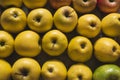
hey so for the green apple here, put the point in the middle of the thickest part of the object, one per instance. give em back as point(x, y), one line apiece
point(13, 20)
point(107, 72)
point(80, 49)
point(89, 25)
point(106, 50)
point(111, 24)
point(65, 19)
point(26, 69)
point(27, 43)
point(6, 44)
point(79, 72)
point(5, 70)
point(40, 20)
point(54, 42)
point(54, 70)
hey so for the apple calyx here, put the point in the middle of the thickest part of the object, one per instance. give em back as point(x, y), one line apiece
point(54, 41)
point(15, 14)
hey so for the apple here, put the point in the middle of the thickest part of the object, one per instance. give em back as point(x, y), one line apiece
point(5, 70)
point(89, 25)
point(27, 43)
point(79, 72)
point(54, 70)
point(106, 50)
point(40, 20)
point(32, 4)
point(6, 44)
point(109, 6)
point(80, 49)
point(59, 3)
point(65, 19)
point(107, 72)
point(13, 20)
point(26, 69)
point(84, 6)
point(111, 25)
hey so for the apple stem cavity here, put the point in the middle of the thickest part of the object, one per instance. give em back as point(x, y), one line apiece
point(38, 19)
point(93, 24)
point(24, 72)
point(111, 0)
point(2, 43)
point(114, 49)
point(83, 45)
point(85, 0)
point(66, 13)
point(15, 14)
point(50, 70)
point(79, 77)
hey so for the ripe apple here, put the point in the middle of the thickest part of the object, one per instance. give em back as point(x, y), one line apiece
point(40, 20)
point(65, 19)
point(27, 43)
point(80, 49)
point(106, 50)
point(89, 25)
point(79, 72)
point(54, 70)
point(13, 20)
point(26, 69)
point(59, 3)
point(107, 72)
point(6, 44)
point(111, 25)
point(32, 4)
point(5, 70)
point(84, 6)
point(109, 6)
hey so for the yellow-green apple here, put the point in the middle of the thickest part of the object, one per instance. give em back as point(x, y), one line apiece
point(79, 72)
point(6, 44)
point(54, 42)
point(27, 43)
point(89, 25)
point(59, 3)
point(65, 19)
point(84, 6)
point(40, 20)
point(107, 72)
point(13, 20)
point(54, 70)
point(80, 49)
point(108, 6)
point(32, 4)
point(111, 24)
point(5, 70)
point(26, 69)
point(106, 50)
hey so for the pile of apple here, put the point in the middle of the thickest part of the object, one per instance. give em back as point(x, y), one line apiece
point(59, 39)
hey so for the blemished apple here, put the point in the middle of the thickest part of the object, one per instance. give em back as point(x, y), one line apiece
point(13, 20)
point(26, 69)
point(84, 6)
point(6, 44)
point(79, 72)
point(54, 70)
point(89, 25)
point(109, 6)
point(65, 19)
point(80, 49)
point(54, 42)
point(59, 3)
point(5, 70)
point(40, 20)
point(106, 50)
point(111, 25)
point(27, 43)
point(107, 72)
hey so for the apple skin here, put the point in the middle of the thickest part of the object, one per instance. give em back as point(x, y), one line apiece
point(65, 19)
point(27, 44)
point(26, 69)
point(6, 44)
point(84, 6)
point(54, 42)
point(107, 72)
point(5, 70)
point(40, 20)
point(108, 6)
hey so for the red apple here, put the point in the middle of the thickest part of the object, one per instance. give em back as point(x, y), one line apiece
point(109, 6)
